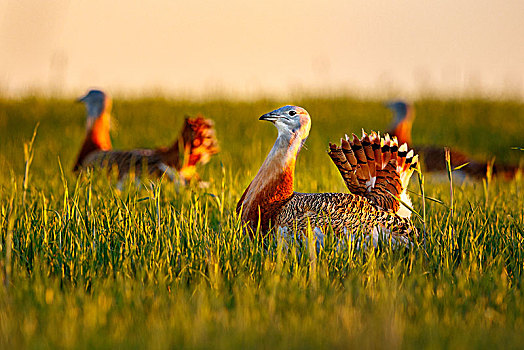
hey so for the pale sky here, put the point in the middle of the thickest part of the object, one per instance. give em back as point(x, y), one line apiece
point(246, 48)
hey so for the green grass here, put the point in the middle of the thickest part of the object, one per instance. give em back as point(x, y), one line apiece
point(84, 266)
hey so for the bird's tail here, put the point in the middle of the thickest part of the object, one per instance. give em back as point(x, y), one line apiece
point(195, 145)
point(375, 168)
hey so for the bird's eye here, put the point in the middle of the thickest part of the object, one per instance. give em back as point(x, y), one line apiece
point(292, 113)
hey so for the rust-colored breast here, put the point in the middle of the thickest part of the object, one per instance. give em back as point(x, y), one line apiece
point(97, 139)
point(267, 202)
point(402, 132)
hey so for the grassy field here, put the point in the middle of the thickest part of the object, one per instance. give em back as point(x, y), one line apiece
point(85, 266)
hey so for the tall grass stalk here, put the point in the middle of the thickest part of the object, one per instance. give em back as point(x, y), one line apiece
point(28, 159)
point(420, 177)
point(451, 207)
point(487, 182)
point(8, 243)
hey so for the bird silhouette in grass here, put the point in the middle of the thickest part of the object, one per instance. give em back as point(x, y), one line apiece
point(432, 157)
point(195, 145)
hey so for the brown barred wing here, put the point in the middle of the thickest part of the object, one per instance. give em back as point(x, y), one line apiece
point(345, 213)
point(126, 162)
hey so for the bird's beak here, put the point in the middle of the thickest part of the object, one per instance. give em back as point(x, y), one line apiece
point(81, 99)
point(270, 117)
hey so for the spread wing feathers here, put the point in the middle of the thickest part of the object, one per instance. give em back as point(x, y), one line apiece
point(341, 157)
point(199, 140)
point(195, 145)
point(374, 167)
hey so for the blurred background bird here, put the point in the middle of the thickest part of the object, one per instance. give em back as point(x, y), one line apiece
point(433, 156)
point(195, 145)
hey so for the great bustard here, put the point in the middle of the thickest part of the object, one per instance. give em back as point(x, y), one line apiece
point(195, 145)
point(376, 172)
point(432, 157)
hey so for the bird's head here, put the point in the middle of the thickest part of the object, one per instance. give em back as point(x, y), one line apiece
point(401, 111)
point(290, 120)
point(97, 102)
